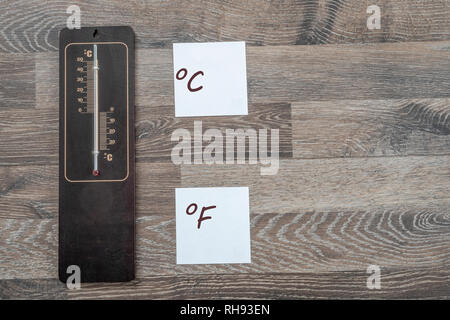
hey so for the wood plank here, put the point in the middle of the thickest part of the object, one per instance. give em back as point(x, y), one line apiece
point(395, 284)
point(315, 241)
point(29, 248)
point(321, 184)
point(332, 72)
point(29, 136)
point(399, 236)
point(17, 86)
point(29, 192)
point(331, 184)
point(33, 26)
point(361, 128)
point(324, 73)
point(154, 128)
point(155, 185)
point(424, 283)
point(32, 289)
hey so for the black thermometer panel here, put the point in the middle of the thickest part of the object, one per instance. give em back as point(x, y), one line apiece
point(96, 111)
point(97, 180)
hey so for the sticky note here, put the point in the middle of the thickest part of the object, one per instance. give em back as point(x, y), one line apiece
point(210, 79)
point(212, 225)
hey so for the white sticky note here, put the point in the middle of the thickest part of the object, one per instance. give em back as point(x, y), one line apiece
point(210, 79)
point(223, 235)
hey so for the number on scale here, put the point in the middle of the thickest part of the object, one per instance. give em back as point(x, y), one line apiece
point(88, 53)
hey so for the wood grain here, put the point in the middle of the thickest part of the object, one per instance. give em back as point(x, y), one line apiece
point(155, 126)
point(31, 191)
point(364, 140)
point(315, 241)
point(321, 184)
point(276, 75)
point(32, 289)
point(32, 26)
point(396, 284)
point(361, 128)
point(17, 87)
point(326, 184)
point(283, 243)
point(332, 72)
point(28, 136)
point(423, 283)
point(155, 188)
point(29, 248)
point(307, 73)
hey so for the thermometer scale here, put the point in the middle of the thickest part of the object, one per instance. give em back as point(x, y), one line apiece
point(97, 180)
point(94, 88)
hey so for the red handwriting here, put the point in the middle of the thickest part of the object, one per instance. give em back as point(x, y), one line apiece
point(182, 73)
point(190, 212)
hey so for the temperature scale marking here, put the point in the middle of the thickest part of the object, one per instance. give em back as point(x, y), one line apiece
point(89, 75)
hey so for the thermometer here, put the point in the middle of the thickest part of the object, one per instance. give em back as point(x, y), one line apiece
point(97, 180)
point(95, 152)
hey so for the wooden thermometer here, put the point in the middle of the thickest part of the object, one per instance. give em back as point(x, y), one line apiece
point(97, 151)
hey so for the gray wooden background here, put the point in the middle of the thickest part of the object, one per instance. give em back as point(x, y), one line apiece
point(364, 119)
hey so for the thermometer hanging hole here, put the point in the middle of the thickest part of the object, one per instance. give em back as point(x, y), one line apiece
point(95, 33)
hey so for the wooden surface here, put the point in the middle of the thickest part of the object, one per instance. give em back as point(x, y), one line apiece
point(364, 120)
